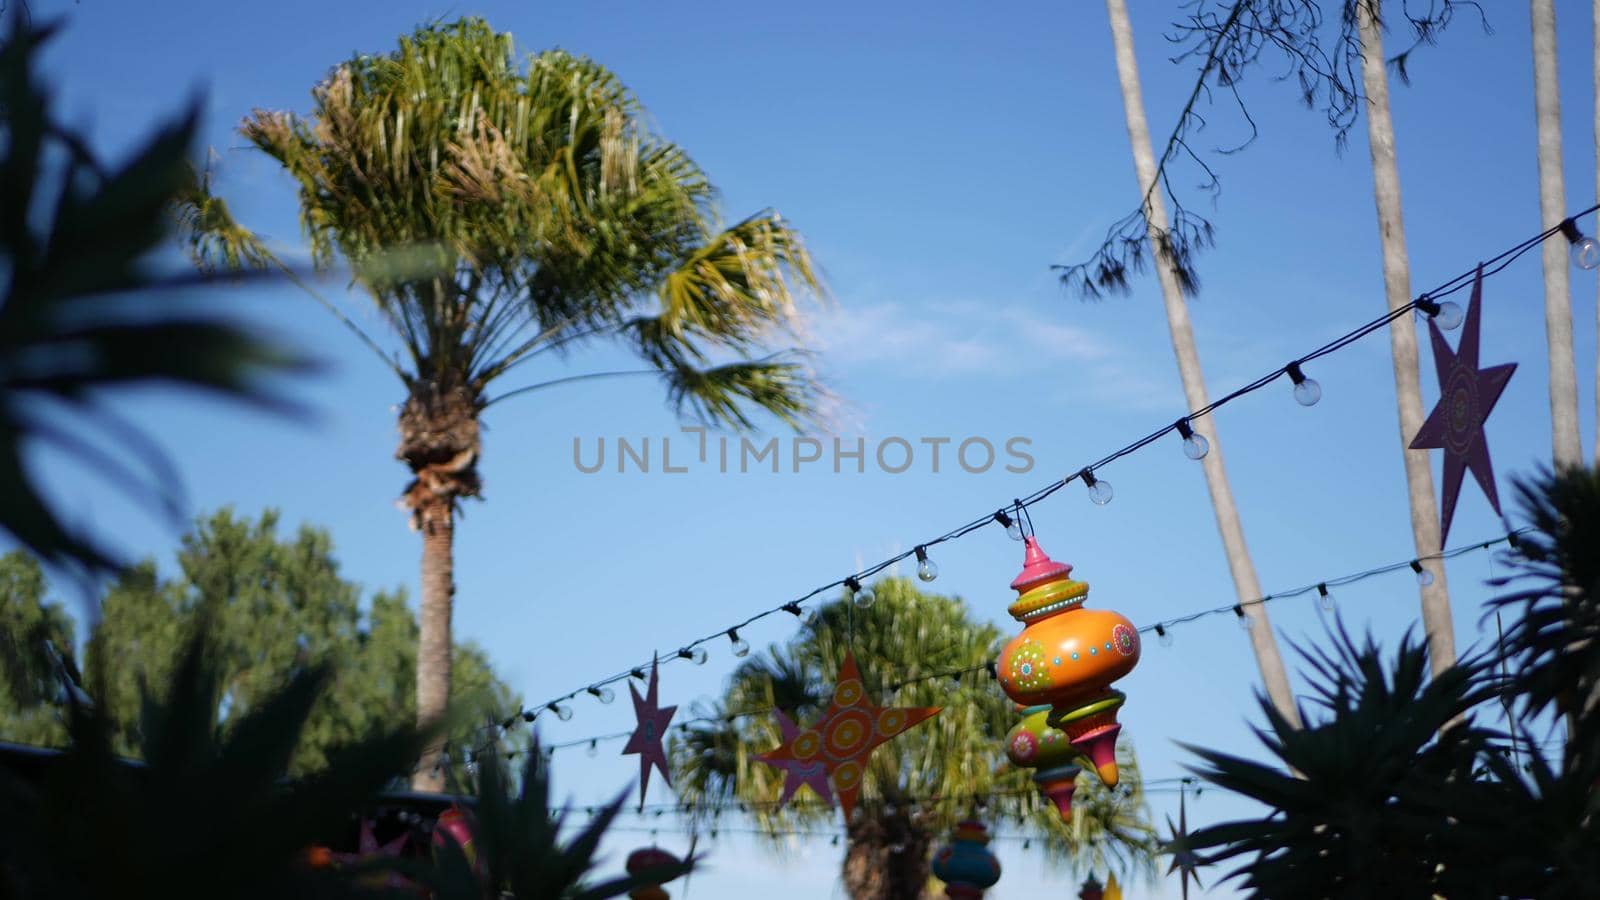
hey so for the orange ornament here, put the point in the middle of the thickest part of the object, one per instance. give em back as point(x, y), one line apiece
point(1067, 657)
point(849, 730)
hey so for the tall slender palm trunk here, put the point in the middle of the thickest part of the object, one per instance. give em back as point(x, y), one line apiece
point(888, 858)
point(1262, 640)
point(440, 442)
point(1436, 617)
point(437, 521)
point(1566, 442)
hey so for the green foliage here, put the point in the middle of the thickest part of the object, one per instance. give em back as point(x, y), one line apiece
point(496, 210)
point(83, 309)
point(209, 815)
point(906, 635)
point(29, 678)
point(518, 842)
point(276, 606)
point(1396, 792)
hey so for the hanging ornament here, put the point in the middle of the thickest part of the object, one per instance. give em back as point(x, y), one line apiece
point(652, 728)
point(849, 730)
point(1067, 657)
point(810, 773)
point(1467, 394)
point(966, 866)
point(645, 860)
point(1113, 890)
point(454, 825)
point(1033, 744)
point(1091, 889)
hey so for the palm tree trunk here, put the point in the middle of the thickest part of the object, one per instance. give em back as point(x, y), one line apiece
point(439, 442)
point(1436, 616)
point(1552, 205)
point(1567, 444)
point(1262, 640)
point(437, 520)
point(887, 858)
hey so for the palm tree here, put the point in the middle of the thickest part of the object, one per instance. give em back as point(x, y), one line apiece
point(1436, 616)
point(1567, 444)
point(84, 309)
point(1169, 271)
point(1401, 789)
point(497, 213)
point(923, 781)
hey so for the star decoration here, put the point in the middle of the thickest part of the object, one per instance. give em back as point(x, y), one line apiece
point(652, 728)
point(1466, 396)
point(797, 772)
point(1184, 860)
point(848, 731)
point(369, 849)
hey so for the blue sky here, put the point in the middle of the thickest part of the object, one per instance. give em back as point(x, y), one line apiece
point(938, 159)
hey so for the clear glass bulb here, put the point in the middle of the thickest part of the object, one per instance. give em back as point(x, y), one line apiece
point(1424, 578)
point(698, 656)
point(1307, 392)
point(1450, 315)
point(741, 647)
point(1100, 493)
point(1586, 253)
point(1014, 530)
point(1246, 621)
point(864, 597)
point(564, 713)
point(594, 749)
point(1325, 599)
point(927, 569)
point(1165, 638)
point(605, 694)
point(1195, 446)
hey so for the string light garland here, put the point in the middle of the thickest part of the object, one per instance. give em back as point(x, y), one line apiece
point(1430, 303)
point(1162, 629)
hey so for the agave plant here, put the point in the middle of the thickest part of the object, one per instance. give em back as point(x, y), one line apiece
point(520, 847)
point(84, 309)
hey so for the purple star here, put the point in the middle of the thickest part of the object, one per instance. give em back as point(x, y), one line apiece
point(797, 773)
point(1466, 396)
point(646, 740)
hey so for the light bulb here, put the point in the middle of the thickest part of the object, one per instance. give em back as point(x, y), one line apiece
point(696, 655)
point(1424, 577)
point(594, 749)
point(741, 647)
point(564, 713)
point(1324, 599)
point(864, 597)
point(1164, 636)
point(1450, 315)
point(1100, 492)
point(1245, 620)
point(927, 569)
point(602, 693)
point(1306, 390)
point(1195, 446)
point(1586, 253)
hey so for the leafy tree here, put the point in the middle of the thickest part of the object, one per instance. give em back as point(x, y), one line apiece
point(497, 212)
point(1399, 791)
point(29, 677)
point(919, 784)
point(275, 606)
point(84, 309)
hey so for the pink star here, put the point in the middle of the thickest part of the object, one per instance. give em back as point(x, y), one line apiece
point(797, 773)
point(368, 849)
point(1466, 396)
point(646, 740)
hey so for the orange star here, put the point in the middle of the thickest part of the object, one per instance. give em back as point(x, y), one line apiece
point(848, 731)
